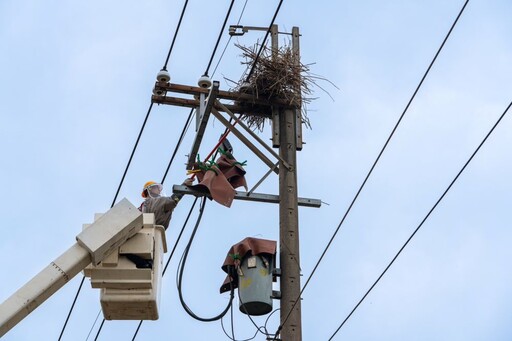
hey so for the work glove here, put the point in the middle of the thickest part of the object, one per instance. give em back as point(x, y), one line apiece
point(188, 182)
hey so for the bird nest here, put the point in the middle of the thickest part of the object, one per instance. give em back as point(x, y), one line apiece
point(277, 77)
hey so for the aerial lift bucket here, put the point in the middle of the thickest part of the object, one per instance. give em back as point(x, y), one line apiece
point(128, 292)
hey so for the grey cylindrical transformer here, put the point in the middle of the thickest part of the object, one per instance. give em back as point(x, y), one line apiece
point(255, 285)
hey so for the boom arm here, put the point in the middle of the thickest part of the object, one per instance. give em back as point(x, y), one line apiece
point(94, 243)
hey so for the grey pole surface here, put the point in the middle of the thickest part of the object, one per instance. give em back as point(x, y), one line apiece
point(289, 228)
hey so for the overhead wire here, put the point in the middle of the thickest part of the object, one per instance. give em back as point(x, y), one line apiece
point(112, 205)
point(424, 219)
point(146, 118)
point(130, 160)
point(170, 256)
point(264, 40)
point(92, 327)
point(227, 130)
point(178, 144)
point(229, 40)
point(232, 338)
point(182, 135)
point(373, 166)
point(220, 36)
point(175, 35)
point(232, 322)
point(181, 268)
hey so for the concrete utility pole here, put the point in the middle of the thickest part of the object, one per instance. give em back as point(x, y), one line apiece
point(289, 218)
point(287, 136)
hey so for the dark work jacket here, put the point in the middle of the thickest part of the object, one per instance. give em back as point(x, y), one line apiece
point(162, 207)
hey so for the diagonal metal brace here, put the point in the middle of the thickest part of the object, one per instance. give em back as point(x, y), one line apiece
point(254, 136)
point(214, 91)
point(244, 139)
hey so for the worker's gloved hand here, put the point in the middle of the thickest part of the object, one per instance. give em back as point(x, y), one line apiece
point(188, 182)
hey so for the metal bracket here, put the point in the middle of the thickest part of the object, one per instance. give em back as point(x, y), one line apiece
point(200, 110)
point(202, 124)
point(276, 294)
point(257, 197)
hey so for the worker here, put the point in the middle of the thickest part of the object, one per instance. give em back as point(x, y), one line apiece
point(162, 206)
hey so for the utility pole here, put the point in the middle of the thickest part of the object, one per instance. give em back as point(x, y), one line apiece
point(289, 218)
point(287, 136)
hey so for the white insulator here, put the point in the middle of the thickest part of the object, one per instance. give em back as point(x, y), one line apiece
point(204, 82)
point(158, 92)
point(163, 76)
point(246, 88)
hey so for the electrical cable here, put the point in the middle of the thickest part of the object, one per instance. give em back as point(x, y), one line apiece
point(170, 256)
point(142, 129)
point(181, 268)
point(220, 36)
point(187, 124)
point(151, 106)
point(112, 205)
point(258, 329)
point(131, 156)
point(99, 330)
point(178, 144)
point(232, 322)
point(229, 40)
point(183, 132)
point(175, 35)
point(233, 338)
point(250, 318)
point(264, 40)
point(94, 323)
point(72, 307)
point(373, 166)
point(425, 218)
point(268, 317)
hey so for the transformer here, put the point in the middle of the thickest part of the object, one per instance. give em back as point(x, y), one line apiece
point(250, 265)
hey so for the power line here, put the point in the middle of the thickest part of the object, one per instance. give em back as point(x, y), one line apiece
point(181, 268)
point(374, 164)
point(178, 144)
point(187, 124)
point(170, 256)
point(220, 36)
point(112, 205)
point(229, 40)
point(182, 135)
point(129, 161)
point(175, 35)
point(145, 121)
point(264, 40)
point(424, 219)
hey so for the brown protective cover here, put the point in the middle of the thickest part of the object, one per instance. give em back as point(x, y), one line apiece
point(222, 179)
point(232, 170)
point(247, 247)
point(214, 182)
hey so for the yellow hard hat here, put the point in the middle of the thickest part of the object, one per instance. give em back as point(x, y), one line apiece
point(146, 186)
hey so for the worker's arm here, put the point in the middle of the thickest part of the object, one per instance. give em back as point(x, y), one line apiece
point(175, 198)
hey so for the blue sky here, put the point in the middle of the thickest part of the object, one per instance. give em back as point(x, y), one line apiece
point(76, 85)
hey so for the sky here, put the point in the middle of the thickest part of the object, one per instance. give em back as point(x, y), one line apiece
point(77, 79)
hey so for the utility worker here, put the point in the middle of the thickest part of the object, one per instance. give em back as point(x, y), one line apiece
point(162, 206)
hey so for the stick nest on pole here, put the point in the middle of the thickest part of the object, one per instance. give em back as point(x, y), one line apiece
point(274, 75)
